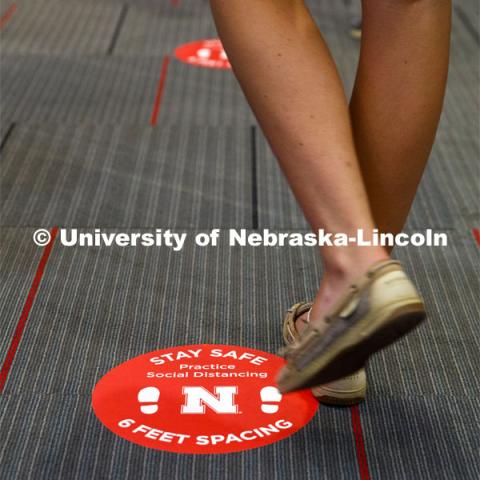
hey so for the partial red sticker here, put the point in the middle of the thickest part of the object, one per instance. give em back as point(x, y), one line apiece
point(204, 53)
point(201, 399)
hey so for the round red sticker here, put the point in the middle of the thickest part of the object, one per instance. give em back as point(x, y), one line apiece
point(204, 53)
point(201, 399)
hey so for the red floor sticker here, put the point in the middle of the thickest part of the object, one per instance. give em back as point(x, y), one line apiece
point(200, 399)
point(204, 53)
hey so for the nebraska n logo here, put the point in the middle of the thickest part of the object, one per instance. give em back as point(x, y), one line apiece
point(197, 397)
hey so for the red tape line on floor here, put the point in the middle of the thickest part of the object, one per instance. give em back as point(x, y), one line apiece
point(7, 15)
point(476, 234)
point(17, 335)
point(359, 443)
point(160, 88)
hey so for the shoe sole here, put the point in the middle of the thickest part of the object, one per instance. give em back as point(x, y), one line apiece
point(351, 351)
point(339, 399)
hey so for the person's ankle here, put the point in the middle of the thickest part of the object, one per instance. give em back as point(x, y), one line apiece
point(341, 270)
point(346, 264)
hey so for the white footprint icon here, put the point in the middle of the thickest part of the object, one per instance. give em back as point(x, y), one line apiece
point(271, 397)
point(204, 53)
point(149, 395)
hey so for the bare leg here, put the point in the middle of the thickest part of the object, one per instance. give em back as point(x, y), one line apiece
point(397, 99)
point(293, 87)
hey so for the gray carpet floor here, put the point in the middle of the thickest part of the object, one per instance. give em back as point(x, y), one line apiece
point(78, 88)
